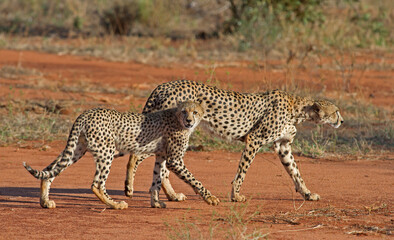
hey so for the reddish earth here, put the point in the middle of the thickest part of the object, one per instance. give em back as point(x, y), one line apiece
point(357, 195)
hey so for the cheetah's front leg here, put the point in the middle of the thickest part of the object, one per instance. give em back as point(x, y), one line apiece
point(160, 179)
point(283, 149)
point(183, 173)
point(167, 188)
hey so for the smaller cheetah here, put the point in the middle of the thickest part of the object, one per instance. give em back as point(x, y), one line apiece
point(103, 131)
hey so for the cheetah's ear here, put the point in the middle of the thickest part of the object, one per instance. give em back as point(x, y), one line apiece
point(316, 107)
point(178, 103)
point(314, 111)
point(204, 106)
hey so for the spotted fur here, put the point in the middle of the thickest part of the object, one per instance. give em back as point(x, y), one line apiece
point(256, 119)
point(103, 131)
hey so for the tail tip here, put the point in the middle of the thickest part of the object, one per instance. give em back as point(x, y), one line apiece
point(26, 166)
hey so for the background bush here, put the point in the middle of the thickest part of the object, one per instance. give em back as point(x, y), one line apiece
point(253, 23)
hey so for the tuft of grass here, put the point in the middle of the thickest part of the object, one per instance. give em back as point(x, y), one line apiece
point(191, 228)
point(239, 219)
point(313, 145)
point(235, 223)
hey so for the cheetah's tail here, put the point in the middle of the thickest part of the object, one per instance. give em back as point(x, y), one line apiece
point(39, 174)
point(64, 159)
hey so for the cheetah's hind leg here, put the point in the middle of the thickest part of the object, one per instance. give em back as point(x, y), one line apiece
point(158, 176)
point(44, 194)
point(79, 151)
point(102, 194)
point(132, 166)
point(103, 166)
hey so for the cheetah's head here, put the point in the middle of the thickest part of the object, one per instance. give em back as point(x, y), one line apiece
point(323, 111)
point(190, 114)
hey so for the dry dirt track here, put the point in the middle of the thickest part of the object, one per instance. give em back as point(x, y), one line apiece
point(357, 196)
point(347, 190)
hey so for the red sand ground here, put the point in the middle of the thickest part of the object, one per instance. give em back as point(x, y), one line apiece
point(357, 195)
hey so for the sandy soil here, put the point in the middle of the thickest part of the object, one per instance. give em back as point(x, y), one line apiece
point(357, 195)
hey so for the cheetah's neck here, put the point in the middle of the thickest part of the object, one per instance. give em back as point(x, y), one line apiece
point(301, 105)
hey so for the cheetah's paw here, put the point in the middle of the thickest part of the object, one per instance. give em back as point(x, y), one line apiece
point(48, 204)
point(238, 198)
point(128, 191)
point(179, 197)
point(312, 197)
point(212, 200)
point(120, 205)
point(158, 204)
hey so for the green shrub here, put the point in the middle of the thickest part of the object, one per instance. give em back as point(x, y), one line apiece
point(249, 11)
point(120, 18)
point(260, 24)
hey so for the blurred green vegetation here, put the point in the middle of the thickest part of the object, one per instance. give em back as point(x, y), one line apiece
point(257, 24)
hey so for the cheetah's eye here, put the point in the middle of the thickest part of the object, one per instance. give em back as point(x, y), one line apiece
point(195, 112)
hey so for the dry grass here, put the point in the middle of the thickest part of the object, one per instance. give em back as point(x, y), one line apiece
point(16, 72)
point(17, 124)
point(242, 221)
point(234, 224)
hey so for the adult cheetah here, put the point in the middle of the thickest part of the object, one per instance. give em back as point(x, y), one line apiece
point(103, 131)
point(256, 119)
